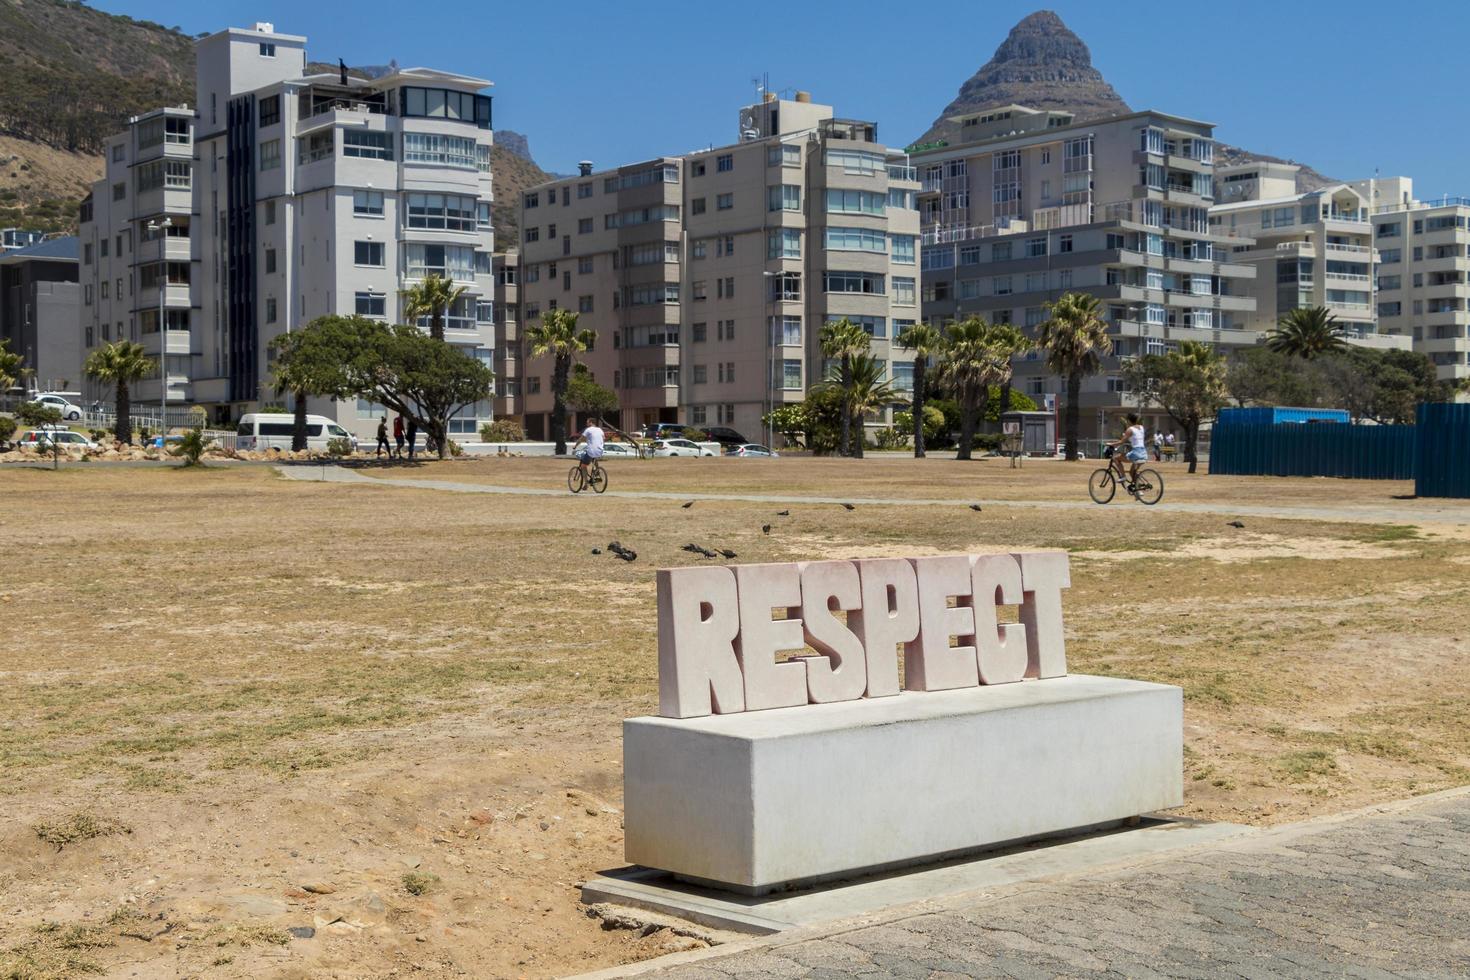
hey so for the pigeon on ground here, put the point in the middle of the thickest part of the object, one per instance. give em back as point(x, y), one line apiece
point(686, 506)
point(1234, 524)
point(614, 547)
point(692, 548)
point(705, 552)
point(597, 551)
point(628, 555)
point(849, 507)
point(728, 553)
point(765, 529)
point(783, 513)
point(975, 507)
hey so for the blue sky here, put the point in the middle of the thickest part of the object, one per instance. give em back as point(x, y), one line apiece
point(1339, 85)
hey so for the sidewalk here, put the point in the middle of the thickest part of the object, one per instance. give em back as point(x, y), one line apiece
point(1380, 893)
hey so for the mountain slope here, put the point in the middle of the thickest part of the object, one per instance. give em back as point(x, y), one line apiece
point(1042, 64)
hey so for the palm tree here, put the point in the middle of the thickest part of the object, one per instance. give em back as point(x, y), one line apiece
point(1011, 340)
point(865, 390)
point(432, 298)
point(842, 339)
point(923, 340)
point(1306, 333)
point(557, 335)
point(120, 364)
point(969, 364)
point(1075, 340)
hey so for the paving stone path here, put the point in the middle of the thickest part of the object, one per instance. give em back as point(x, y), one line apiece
point(1449, 512)
point(1379, 895)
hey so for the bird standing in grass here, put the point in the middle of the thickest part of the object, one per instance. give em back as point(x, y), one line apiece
point(765, 529)
point(848, 507)
point(687, 505)
point(975, 507)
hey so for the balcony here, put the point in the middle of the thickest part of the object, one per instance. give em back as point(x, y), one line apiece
point(1349, 249)
point(1347, 277)
point(1347, 217)
point(1305, 250)
point(896, 172)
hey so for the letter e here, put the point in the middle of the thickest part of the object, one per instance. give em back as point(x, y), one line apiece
point(769, 684)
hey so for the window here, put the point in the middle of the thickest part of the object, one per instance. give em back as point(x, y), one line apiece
point(725, 330)
point(584, 226)
point(654, 293)
point(270, 311)
point(785, 331)
point(903, 291)
point(783, 243)
point(1064, 243)
point(874, 326)
point(316, 146)
point(1035, 247)
point(102, 292)
point(784, 155)
point(532, 233)
point(584, 304)
point(727, 412)
point(699, 249)
point(120, 191)
point(724, 202)
point(790, 374)
point(102, 248)
point(584, 190)
point(367, 203)
point(1390, 282)
point(584, 265)
point(903, 249)
point(725, 288)
point(367, 143)
point(725, 246)
point(856, 239)
point(696, 169)
point(1001, 285)
point(368, 253)
point(439, 212)
point(858, 161)
point(449, 151)
point(853, 282)
point(1391, 256)
point(172, 174)
point(700, 289)
point(855, 202)
point(270, 212)
point(484, 264)
point(441, 103)
point(270, 261)
point(533, 200)
point(784, 197)
point(696, 206)
point(450, 262)
point(699, 332)
point(270, 154)
point(786, 287)
point(724, 162)
point(267, 50)
point(701, 374)
point(1000, 252)
point(370, 304)
point(270, 110)
point(902, 199)
point(1393, 230)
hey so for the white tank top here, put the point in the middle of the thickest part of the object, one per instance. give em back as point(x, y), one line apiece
point(1135, 437)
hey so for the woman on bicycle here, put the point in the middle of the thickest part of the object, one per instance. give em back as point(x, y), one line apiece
point(1137, 447)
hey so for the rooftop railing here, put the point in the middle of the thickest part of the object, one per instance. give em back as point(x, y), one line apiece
point(1448, 201)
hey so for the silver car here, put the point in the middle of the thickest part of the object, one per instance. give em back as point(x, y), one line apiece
point(679, 447)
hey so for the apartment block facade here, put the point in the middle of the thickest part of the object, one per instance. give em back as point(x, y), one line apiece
point(1033, 204)
point(707, 277)
point(1423, 284)
point(509, 339)
point(39, 303)
point(288, 196)
point(1309, 249)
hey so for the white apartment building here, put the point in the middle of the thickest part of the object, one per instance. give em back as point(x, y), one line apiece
point(1032, 205)
point(1309, 249)
point(288, 196)
point(707, 277)
point(1423, 272)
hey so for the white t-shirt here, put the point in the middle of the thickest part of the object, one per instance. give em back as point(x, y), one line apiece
point(1135, 437)
point(595, 439)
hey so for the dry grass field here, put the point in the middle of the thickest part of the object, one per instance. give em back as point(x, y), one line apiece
point(387, 718)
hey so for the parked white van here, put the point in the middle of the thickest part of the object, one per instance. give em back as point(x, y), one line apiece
point(273, 431)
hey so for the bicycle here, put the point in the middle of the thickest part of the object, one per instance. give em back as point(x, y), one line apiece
point(594, 476)
point(1148, 488)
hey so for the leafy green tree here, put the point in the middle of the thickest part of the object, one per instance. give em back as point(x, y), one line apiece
point(843, 340)
point(789, 420)
point(584, 394)
point(865, 390)
point(925, 341)
point(557, 337)
point(38, 416)
point(9, 366)
point(432, 297)
point(969, 364)
point(305, 369)
point(933, 422)
point(7, 428)
point(1261, 376)
point(1074, 341)
point(1385, 386)
point(397, 366)
point(1189, 384)
point(1306, 332)
point(120, 364)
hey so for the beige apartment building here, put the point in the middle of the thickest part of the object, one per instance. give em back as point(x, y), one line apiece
point(707, 277)
point(1033, 204)
point(1423, 271)
point(1309, 249)
point(509, 341)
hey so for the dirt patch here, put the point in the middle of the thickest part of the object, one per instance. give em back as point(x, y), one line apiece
point(1254, 547)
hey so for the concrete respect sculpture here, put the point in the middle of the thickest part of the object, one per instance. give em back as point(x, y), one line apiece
point(718, 644)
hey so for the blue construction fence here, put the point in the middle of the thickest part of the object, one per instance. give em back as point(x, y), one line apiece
point(1435, 452)
point(1442, 456)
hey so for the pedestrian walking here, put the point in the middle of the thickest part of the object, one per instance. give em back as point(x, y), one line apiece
point(1158, 446)
point(398, 433)
point(413, 434)
point(383, 438)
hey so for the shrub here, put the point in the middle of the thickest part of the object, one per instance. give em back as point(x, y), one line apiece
point(191, 446)
point(987, 441)
point(35, 414)
point(502, 430)
point(7, 428)
point(339, 447)
point(890, 438)
point(696, 435)
point(933, 423)
point(455, 449)
point(101, 436)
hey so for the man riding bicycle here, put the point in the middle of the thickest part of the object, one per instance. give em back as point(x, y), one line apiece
point(594, 437)
point(1137, 448)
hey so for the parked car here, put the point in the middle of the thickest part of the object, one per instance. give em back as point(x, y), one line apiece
point(679, 447)
point(725, 437)
point(751, 449)
point(661, 430)
point(37, 438)
point(68, 411)
point(262, 430)
point(618, 449)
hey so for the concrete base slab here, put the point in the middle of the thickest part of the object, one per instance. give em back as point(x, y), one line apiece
point(657, 891)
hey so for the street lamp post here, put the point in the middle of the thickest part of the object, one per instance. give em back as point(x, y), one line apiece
point(160, 230)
